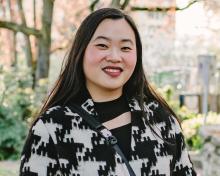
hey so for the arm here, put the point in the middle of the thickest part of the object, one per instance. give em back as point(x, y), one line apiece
point(39, 156)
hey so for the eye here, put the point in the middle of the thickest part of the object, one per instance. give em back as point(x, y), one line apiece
point(126, 49)
point(102, 46)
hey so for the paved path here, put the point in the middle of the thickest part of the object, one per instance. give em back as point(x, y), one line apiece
point(9, 168)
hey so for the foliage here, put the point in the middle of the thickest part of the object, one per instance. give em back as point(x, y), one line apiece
point(190, 121)
point(183, 113)
point(191, 129)
point(17, 104)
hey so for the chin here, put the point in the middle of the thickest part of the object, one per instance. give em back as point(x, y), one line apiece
point(113, 88)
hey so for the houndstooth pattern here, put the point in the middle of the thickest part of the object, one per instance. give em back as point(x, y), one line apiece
point(61, 143)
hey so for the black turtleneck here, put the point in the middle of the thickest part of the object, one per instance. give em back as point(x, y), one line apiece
point(110, 110)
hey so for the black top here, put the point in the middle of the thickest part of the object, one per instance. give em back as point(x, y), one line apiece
point(110, 110)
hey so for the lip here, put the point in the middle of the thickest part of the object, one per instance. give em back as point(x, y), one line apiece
point(113, 71)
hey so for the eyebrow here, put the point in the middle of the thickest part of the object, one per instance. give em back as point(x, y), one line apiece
point(108, 39)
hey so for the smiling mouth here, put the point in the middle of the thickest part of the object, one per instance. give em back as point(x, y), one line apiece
point(113, 71)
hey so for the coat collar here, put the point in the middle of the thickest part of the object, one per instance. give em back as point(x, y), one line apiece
point(86, 102)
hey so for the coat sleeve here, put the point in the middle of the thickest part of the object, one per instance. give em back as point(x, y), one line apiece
point(182, 164)
point(39, 156)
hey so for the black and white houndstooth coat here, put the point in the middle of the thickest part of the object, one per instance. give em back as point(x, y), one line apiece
point(61, 143)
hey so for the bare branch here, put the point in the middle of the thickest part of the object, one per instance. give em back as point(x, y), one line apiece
point(124, 4)
point(20, 28)
point(163, 9)
point(92, 5)
point(188, 5)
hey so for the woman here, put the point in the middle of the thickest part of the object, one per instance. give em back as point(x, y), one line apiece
point(104, 76)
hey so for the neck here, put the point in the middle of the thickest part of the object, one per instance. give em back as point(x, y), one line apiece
point(102, 95)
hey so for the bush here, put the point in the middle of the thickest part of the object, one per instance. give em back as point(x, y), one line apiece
point(191, 129)
point(18, 103)
point(190, 121)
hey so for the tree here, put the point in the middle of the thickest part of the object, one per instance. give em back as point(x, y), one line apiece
point(43, 35)
point(126, 5)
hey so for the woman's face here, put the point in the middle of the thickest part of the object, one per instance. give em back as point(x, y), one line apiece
point(110, 56)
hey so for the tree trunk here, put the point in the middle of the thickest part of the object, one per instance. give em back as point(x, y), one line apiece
point(115, 4)
point(45, 41)
point(11, 35)
point(34, 48)
point(28, 52)
point(42, 65)
point(14, 50)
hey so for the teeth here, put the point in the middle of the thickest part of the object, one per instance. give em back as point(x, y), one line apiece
point(112, 70)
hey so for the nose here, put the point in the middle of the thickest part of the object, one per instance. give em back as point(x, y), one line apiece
point(114, 55)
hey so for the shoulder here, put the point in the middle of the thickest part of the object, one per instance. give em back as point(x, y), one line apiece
point(60, 115)
point(55, 122)
point(54, 118)
point(160, 116)
point(53, 112)
point(57, 114)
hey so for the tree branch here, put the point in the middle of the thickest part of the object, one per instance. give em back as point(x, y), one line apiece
point(163, 9)
point(188, 5)
point(20, 28)
point(21, 12)
point(124, 4)
point(92, 5)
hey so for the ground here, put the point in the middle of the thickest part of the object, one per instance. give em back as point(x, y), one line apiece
point(9, 168)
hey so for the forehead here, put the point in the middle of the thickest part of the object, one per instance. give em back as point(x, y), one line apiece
point(117, 29)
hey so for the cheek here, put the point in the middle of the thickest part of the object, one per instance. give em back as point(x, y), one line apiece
point(91, 62)
point(131, 60)
point(92, 56)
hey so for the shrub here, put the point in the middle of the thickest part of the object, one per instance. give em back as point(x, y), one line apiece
point(190, 121)
point(18, 103)
point(191, 129)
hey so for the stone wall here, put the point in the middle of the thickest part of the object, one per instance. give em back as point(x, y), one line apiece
point(211, 150)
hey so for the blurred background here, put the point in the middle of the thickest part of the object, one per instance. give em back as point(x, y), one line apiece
point(181, 56)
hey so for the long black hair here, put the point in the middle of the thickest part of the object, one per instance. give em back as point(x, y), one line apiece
point(72, 80)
